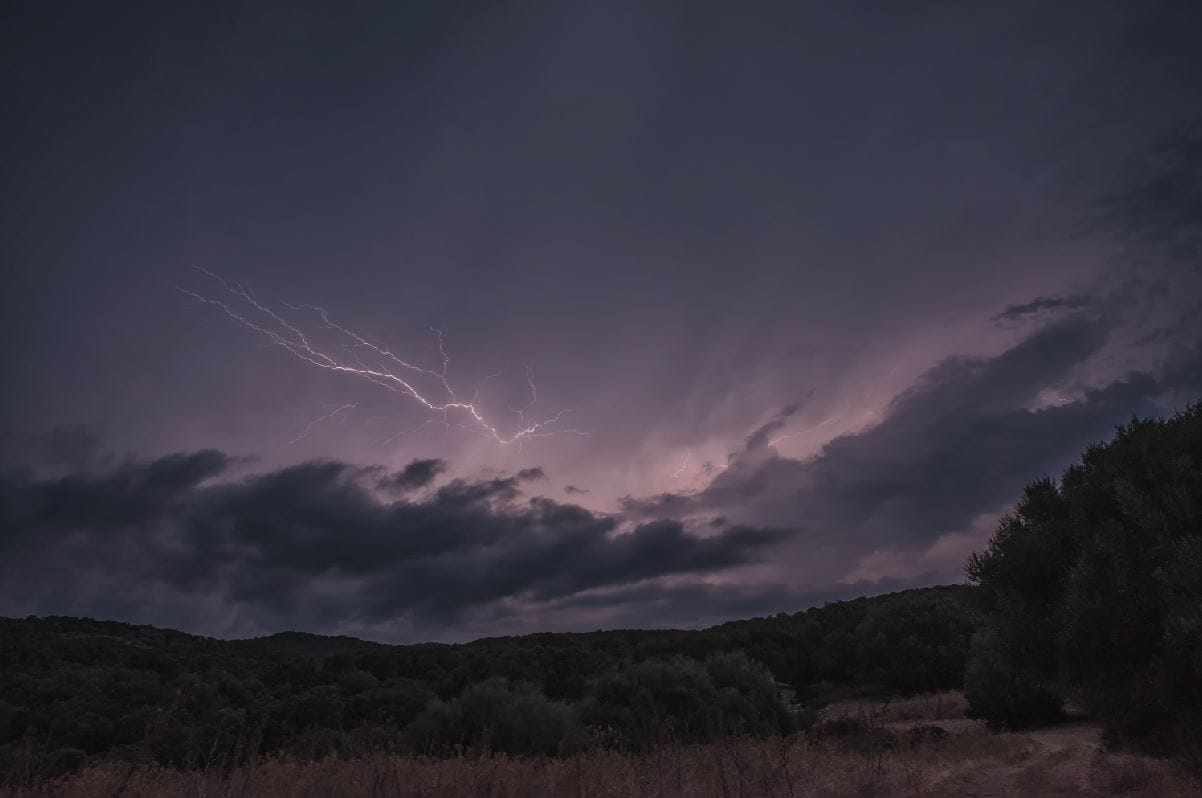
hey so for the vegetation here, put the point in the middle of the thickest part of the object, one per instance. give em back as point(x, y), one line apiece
point(1092, 591)
point(74, 691)
point(968, 764)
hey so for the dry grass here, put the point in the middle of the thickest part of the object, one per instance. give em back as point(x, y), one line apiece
point(971, 764)
point(945, 705)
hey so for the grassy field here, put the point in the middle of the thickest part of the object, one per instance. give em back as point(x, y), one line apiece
point(861, 749)
point(1058, 761)
point(941, 706)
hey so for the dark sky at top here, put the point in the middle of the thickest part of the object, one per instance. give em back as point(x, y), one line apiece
point(813, 290)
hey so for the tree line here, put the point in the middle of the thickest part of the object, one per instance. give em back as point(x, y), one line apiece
point(75, 691)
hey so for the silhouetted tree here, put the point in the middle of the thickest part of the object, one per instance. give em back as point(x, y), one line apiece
point(1092, 590)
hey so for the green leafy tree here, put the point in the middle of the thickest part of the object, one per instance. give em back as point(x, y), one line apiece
point(1011, 679)
point(918, 642)
point(655, 701)
point(496, 715)
point(1093, 591)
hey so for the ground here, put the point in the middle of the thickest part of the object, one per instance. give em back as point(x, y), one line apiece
point(970, 762)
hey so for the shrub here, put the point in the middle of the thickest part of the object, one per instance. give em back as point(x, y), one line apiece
point(497, 716)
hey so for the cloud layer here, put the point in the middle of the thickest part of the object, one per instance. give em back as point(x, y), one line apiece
point(909, 496)
point(320, 544)
point(190, 540)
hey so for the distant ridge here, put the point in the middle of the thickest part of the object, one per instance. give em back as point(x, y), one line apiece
point(307, 644)
point(63, 628)
point(104, 691)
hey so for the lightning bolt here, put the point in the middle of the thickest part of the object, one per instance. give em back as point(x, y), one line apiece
point(683, 464)
point(521, 411)
point(404, 432)
point(389, 371)
point(787, 436)
point(317, 421)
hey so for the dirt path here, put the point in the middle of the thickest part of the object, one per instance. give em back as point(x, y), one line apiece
point(1060, 738)
point(1061, 756)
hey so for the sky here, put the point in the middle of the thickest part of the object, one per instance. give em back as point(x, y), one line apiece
point(432, 321)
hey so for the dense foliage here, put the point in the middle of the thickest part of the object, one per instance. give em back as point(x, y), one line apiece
point(74, 691)
point(1092, 591)
point(663, 699)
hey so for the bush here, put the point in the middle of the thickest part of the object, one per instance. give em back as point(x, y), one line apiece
point(1002, 691)
point(497, 716)
point(926, 734)
point(653, 702)
point(915, 643)
point(683, 700)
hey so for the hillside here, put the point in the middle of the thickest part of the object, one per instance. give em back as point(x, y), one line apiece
point(306, 644)
point(85, 690)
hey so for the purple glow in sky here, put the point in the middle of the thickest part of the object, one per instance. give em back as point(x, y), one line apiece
point(571, 316)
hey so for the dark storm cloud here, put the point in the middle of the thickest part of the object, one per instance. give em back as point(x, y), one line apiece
point(572, 490)
point(274, 544)
point(71, 446)
point(130, 495)
point(694, 604)
point(558, 559)
point(418, 474)
point(960, 442)
point(1161, 208)
point(462, 492)
point(663, 504)
point(760, 438)
point(1042, 304)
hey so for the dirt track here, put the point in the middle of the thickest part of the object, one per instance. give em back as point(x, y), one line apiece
point(1061, 759)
